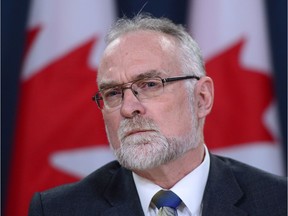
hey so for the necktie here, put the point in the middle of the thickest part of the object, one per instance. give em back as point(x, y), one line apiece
point(166, 202)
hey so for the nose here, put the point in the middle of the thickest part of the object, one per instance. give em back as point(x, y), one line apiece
point(131, 106)
point(133, 91)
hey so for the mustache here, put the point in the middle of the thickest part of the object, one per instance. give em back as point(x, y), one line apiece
point(136, 123)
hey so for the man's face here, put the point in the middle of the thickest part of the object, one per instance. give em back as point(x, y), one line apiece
point(153, 131)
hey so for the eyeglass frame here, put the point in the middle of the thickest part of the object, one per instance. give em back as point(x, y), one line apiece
point(96, 97)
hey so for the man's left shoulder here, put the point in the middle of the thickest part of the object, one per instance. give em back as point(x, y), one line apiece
point(253, 177)
point(246, 188)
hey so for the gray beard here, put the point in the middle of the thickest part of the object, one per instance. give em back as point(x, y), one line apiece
point(150, 149)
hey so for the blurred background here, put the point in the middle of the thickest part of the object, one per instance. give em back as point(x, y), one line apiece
point(52, 133)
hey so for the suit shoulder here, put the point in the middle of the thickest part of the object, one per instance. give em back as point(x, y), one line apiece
point(93, 183)
point(250, 176)
point(251, 190)
point(81, 197)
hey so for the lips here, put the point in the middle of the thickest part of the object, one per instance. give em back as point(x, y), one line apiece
point(136, 125)
point(138, 131)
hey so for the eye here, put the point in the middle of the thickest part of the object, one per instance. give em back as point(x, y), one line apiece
point(149, 84)
point(112, 93)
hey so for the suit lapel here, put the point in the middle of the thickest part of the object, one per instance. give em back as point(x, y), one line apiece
point(222, 191)
point(122, 194)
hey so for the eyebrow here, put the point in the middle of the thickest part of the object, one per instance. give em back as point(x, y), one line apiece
point(147, 74)
point(106, 85)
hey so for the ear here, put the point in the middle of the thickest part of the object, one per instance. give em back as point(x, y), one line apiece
point(204, 95)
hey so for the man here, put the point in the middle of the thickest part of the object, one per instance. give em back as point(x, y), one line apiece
point(154, 96)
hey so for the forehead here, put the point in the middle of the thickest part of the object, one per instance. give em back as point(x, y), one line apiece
point(142, 39)
point(136, 53)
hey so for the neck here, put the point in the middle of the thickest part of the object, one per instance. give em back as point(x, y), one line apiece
point(167, 175)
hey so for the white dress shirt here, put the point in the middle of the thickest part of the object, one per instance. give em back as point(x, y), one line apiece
point(190, 189)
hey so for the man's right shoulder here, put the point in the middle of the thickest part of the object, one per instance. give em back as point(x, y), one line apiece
point(98, 178)
point(73, 199)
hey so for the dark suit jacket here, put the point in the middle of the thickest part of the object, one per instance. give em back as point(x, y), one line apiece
point(232, 189)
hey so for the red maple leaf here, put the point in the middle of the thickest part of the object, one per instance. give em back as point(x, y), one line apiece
point(241, 97)
point(55, 112)
point(30, 37)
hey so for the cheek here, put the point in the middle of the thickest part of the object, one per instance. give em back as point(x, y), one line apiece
point(112, 125)
point(173, 119)
point(181, 120)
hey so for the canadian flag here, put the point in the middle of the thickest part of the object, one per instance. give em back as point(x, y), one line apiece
point(60, 135)
point(243, 124)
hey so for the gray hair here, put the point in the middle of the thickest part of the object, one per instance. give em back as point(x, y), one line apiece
point(191, 57)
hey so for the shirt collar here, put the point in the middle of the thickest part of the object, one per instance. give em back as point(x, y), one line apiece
point(190, 189)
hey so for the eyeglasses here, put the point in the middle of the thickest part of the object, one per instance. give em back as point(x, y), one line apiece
point(142, 89)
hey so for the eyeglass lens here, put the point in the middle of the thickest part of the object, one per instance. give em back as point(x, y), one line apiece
point(142, 89)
